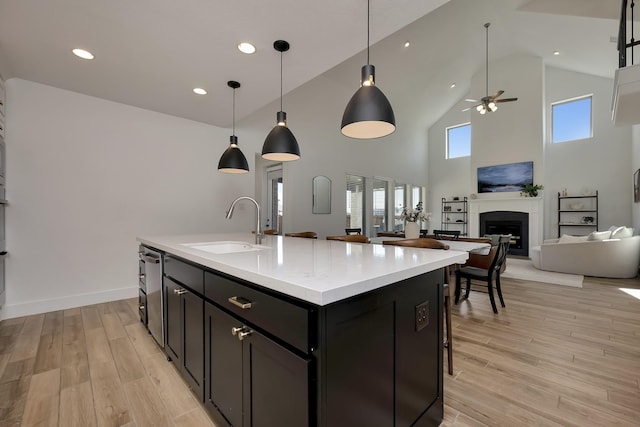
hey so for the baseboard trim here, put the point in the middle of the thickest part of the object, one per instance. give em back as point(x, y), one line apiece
point(10, 311)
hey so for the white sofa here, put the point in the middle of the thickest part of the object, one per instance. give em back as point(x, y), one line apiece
point(611, 257)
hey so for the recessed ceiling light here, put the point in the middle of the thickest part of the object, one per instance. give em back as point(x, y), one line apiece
point(199, 91)
point(407, 44)
point(452, 85)
point(247, 48)
point(556, 52)
point(84, 54)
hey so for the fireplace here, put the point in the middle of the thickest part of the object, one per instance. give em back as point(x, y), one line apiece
point(508, 222)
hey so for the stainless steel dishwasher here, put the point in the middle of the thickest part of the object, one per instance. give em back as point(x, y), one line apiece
point(153, 282)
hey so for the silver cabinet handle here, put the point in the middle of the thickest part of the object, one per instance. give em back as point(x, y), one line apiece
point(151, 259)
point(244, 334)
point(180, 291)
point(234, 331)
point(141, 276)
point(240, 302)
point(141, 307)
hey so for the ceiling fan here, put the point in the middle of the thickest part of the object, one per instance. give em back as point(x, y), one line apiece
point(488, 103)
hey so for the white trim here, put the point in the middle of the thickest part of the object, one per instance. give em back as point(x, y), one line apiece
point(63, 303)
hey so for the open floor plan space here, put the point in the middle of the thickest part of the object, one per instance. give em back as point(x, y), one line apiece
point(556, 355)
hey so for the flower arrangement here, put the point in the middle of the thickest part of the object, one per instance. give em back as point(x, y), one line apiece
point(531, 190)
point(414, 215)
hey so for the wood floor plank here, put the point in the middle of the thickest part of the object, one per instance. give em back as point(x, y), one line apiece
point(76, 406)
point(91, 318)
point(125, 313)
point(15, 370)
point(170, 387)
point(144, 343)
point(112, 326)
point(53, 322)
point(98, 348)
point(147, 406)
point(13, 396)
point(73, 374)
point(127, 361)
point(49, 355)
point(74, 347)
point(109, 399)
point(42, 405)
point(195, 417)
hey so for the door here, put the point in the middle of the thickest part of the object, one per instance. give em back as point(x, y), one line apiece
point(223, 367)
point(267, 363)
point(193, 340)
point(275, 191)
point(173, 320)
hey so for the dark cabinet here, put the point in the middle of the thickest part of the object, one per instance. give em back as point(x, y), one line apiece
point(185, 328)
point(245, 368)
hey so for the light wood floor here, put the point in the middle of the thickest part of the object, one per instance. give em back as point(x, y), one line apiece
point(555, 356)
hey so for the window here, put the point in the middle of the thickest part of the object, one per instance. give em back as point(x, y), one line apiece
point(380, 200)
point(355, 202)
point(400, 202)
point(571, 119)
point(459, 141)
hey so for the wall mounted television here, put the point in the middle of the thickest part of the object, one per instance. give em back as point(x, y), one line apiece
point(504, 178)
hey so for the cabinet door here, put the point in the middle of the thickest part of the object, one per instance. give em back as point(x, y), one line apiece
point(193, 341)
point(276, 384)
point(173, 320)
point(223, 367)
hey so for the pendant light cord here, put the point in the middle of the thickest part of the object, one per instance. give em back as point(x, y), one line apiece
point(234, 112)
point(280, 81)
point(368, 19)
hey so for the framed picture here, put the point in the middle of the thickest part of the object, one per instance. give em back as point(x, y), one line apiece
point(636, 186)
point(503, 178)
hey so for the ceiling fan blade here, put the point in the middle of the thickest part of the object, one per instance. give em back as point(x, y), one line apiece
point(498, 93)
point(472, 100)
point(466, 109)
point(506, 100)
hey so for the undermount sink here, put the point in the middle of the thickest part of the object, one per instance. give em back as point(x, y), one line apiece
point(225, 247)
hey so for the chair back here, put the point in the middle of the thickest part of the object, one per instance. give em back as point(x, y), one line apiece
point(305, 234)
point(353, 231)
point(417, 243)
point(501, 253)
point(446, 233)
point(353, 238)
point(270, 232)
point(424, 232)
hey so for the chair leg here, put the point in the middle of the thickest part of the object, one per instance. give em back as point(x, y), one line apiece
point(466, 295)
point(499, 289)
point(447, 343)
point(458, 289)
point(491, 297)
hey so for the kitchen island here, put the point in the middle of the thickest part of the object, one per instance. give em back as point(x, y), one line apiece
point(305, 332)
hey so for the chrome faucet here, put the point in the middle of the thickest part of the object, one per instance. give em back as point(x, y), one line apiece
point(258, 227)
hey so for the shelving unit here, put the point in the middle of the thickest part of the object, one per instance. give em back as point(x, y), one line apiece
point(454, 215)
point(570, 218)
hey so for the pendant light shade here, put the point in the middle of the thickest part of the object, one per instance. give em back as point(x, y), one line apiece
point(232, 160)
point(368, 114)
point(280, 144)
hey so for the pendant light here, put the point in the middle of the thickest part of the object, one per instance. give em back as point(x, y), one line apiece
point(232, 160)
point(280, 145)
point(368, 114)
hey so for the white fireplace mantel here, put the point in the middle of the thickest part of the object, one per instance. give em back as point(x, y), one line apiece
point(531, 205)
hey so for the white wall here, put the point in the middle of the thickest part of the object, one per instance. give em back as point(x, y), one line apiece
point(635, 156)
point(86, 176)
point(602, 163)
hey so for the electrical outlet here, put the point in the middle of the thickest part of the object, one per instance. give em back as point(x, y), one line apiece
point(422, 315)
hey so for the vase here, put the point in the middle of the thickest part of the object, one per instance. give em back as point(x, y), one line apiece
point(411, 230)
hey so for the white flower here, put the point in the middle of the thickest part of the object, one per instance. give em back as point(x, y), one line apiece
point(413, 215)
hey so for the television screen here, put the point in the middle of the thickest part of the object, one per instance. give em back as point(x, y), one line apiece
point(502, 178)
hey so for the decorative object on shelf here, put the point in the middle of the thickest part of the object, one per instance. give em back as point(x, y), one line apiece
point(488, 104)
point(564, 193)
point(576, 206)
point(232, 160)
point(368, 114)
point(531, 190)
point(636, 186)
point(446, 208)
point(411, 218)
point(505, 178)
point(587, 220)
point(280, 145)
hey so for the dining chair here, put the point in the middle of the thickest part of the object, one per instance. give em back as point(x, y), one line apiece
point(353, 238)
point(446, 233)
point(424, 232)
point(270, 232)
point(498, 254)
point(434, 244)
point(353, 231)
point(305, 234)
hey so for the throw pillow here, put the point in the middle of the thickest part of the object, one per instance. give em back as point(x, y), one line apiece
point(565, 238)
point(599, 235)
point(622, 232)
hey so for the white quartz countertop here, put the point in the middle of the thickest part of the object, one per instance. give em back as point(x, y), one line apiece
point(317, 271)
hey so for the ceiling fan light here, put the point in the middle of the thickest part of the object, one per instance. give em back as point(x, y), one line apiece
point(479, 107)
point(232, 160)
point(493, 107)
